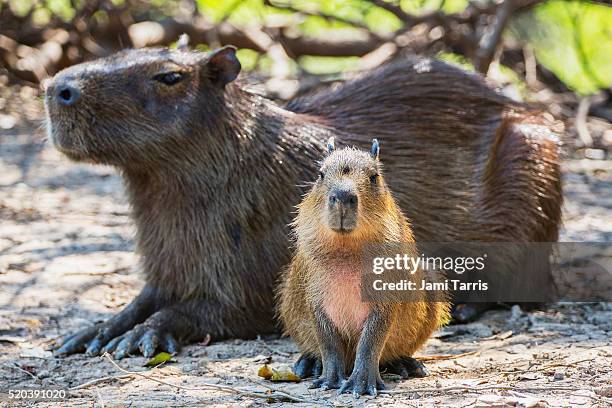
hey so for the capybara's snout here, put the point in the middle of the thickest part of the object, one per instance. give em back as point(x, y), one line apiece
point(63, 92)
point(343, 207)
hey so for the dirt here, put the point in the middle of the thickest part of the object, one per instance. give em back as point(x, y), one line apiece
point(66, 261)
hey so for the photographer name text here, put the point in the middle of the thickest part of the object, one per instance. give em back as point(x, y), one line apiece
point(446, 285)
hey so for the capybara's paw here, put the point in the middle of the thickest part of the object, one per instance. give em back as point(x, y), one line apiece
point(89, 340)
point(332, 378)
point(308, 366)
point(468, 312)
point(406, 367)
point(362, 382)
point(144, 339)
point(332, 382)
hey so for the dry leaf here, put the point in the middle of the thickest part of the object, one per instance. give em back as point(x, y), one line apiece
point(265, 372)
point(278, 376)
point(284, 376)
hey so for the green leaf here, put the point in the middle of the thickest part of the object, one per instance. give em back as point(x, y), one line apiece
point(573, 39)
point(161, 358)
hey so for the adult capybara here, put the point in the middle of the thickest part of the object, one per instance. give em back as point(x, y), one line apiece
point(213, 173)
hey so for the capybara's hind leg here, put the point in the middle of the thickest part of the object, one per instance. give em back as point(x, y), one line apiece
point(468, 312)
point(308, 366)
point(406, 367)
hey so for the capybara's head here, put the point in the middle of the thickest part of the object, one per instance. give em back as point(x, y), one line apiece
point(349, 201)
point(137, 106)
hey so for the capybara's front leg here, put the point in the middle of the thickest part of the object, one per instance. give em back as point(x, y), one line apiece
point(365, 378)
point(332, 350)
point(92, 339)
point(149, 325)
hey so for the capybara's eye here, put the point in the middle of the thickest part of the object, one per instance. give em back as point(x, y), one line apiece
point(321, 175)
point(374, 178)
point(169, 78)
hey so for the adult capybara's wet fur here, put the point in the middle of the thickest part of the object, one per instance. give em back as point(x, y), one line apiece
point(349, 211)
point(213, 173)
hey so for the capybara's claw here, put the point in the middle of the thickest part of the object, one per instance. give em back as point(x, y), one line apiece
point(362, 384)
point(144, 339)
point(99, 339)
point(106, 333)
point(330, 382)
point(333, 376)
point(78, 342)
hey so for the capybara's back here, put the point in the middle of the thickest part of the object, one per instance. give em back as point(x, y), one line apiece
point(467, 163)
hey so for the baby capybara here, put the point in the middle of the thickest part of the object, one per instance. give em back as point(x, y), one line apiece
point(320, 300)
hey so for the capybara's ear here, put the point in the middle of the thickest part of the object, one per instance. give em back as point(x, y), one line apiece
point(375, 149)
point(331, 145)
point(183, 43)
point(223, 65)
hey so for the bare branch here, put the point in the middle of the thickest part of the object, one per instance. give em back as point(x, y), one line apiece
point(457, 32)
point(271, 394)
point(329, 17)
point(491, 38)
point(581, 121)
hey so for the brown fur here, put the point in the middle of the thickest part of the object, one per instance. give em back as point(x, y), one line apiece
point(327, 263)
point(213, 172)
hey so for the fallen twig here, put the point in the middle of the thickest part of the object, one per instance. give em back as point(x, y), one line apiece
point(273, 394)
point(473, 389)
point(16, 367)
point(100, 401)
point(99, 380)
point(533, 368)
point(445, 356)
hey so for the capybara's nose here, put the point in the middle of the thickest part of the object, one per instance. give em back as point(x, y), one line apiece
point(66, 93)
point(344, 197)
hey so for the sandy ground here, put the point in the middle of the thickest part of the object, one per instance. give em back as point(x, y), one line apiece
point(66, 261)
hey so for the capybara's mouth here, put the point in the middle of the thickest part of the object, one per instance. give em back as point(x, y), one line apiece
point(343, 230)
point(66, 140)
point(72, 153)
point(343, 224)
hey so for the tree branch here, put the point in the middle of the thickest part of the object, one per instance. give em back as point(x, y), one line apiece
point(457, 32)
point(329, 17)
point(491, 38)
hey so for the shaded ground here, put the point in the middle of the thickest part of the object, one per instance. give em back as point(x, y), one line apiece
point(66, 261)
